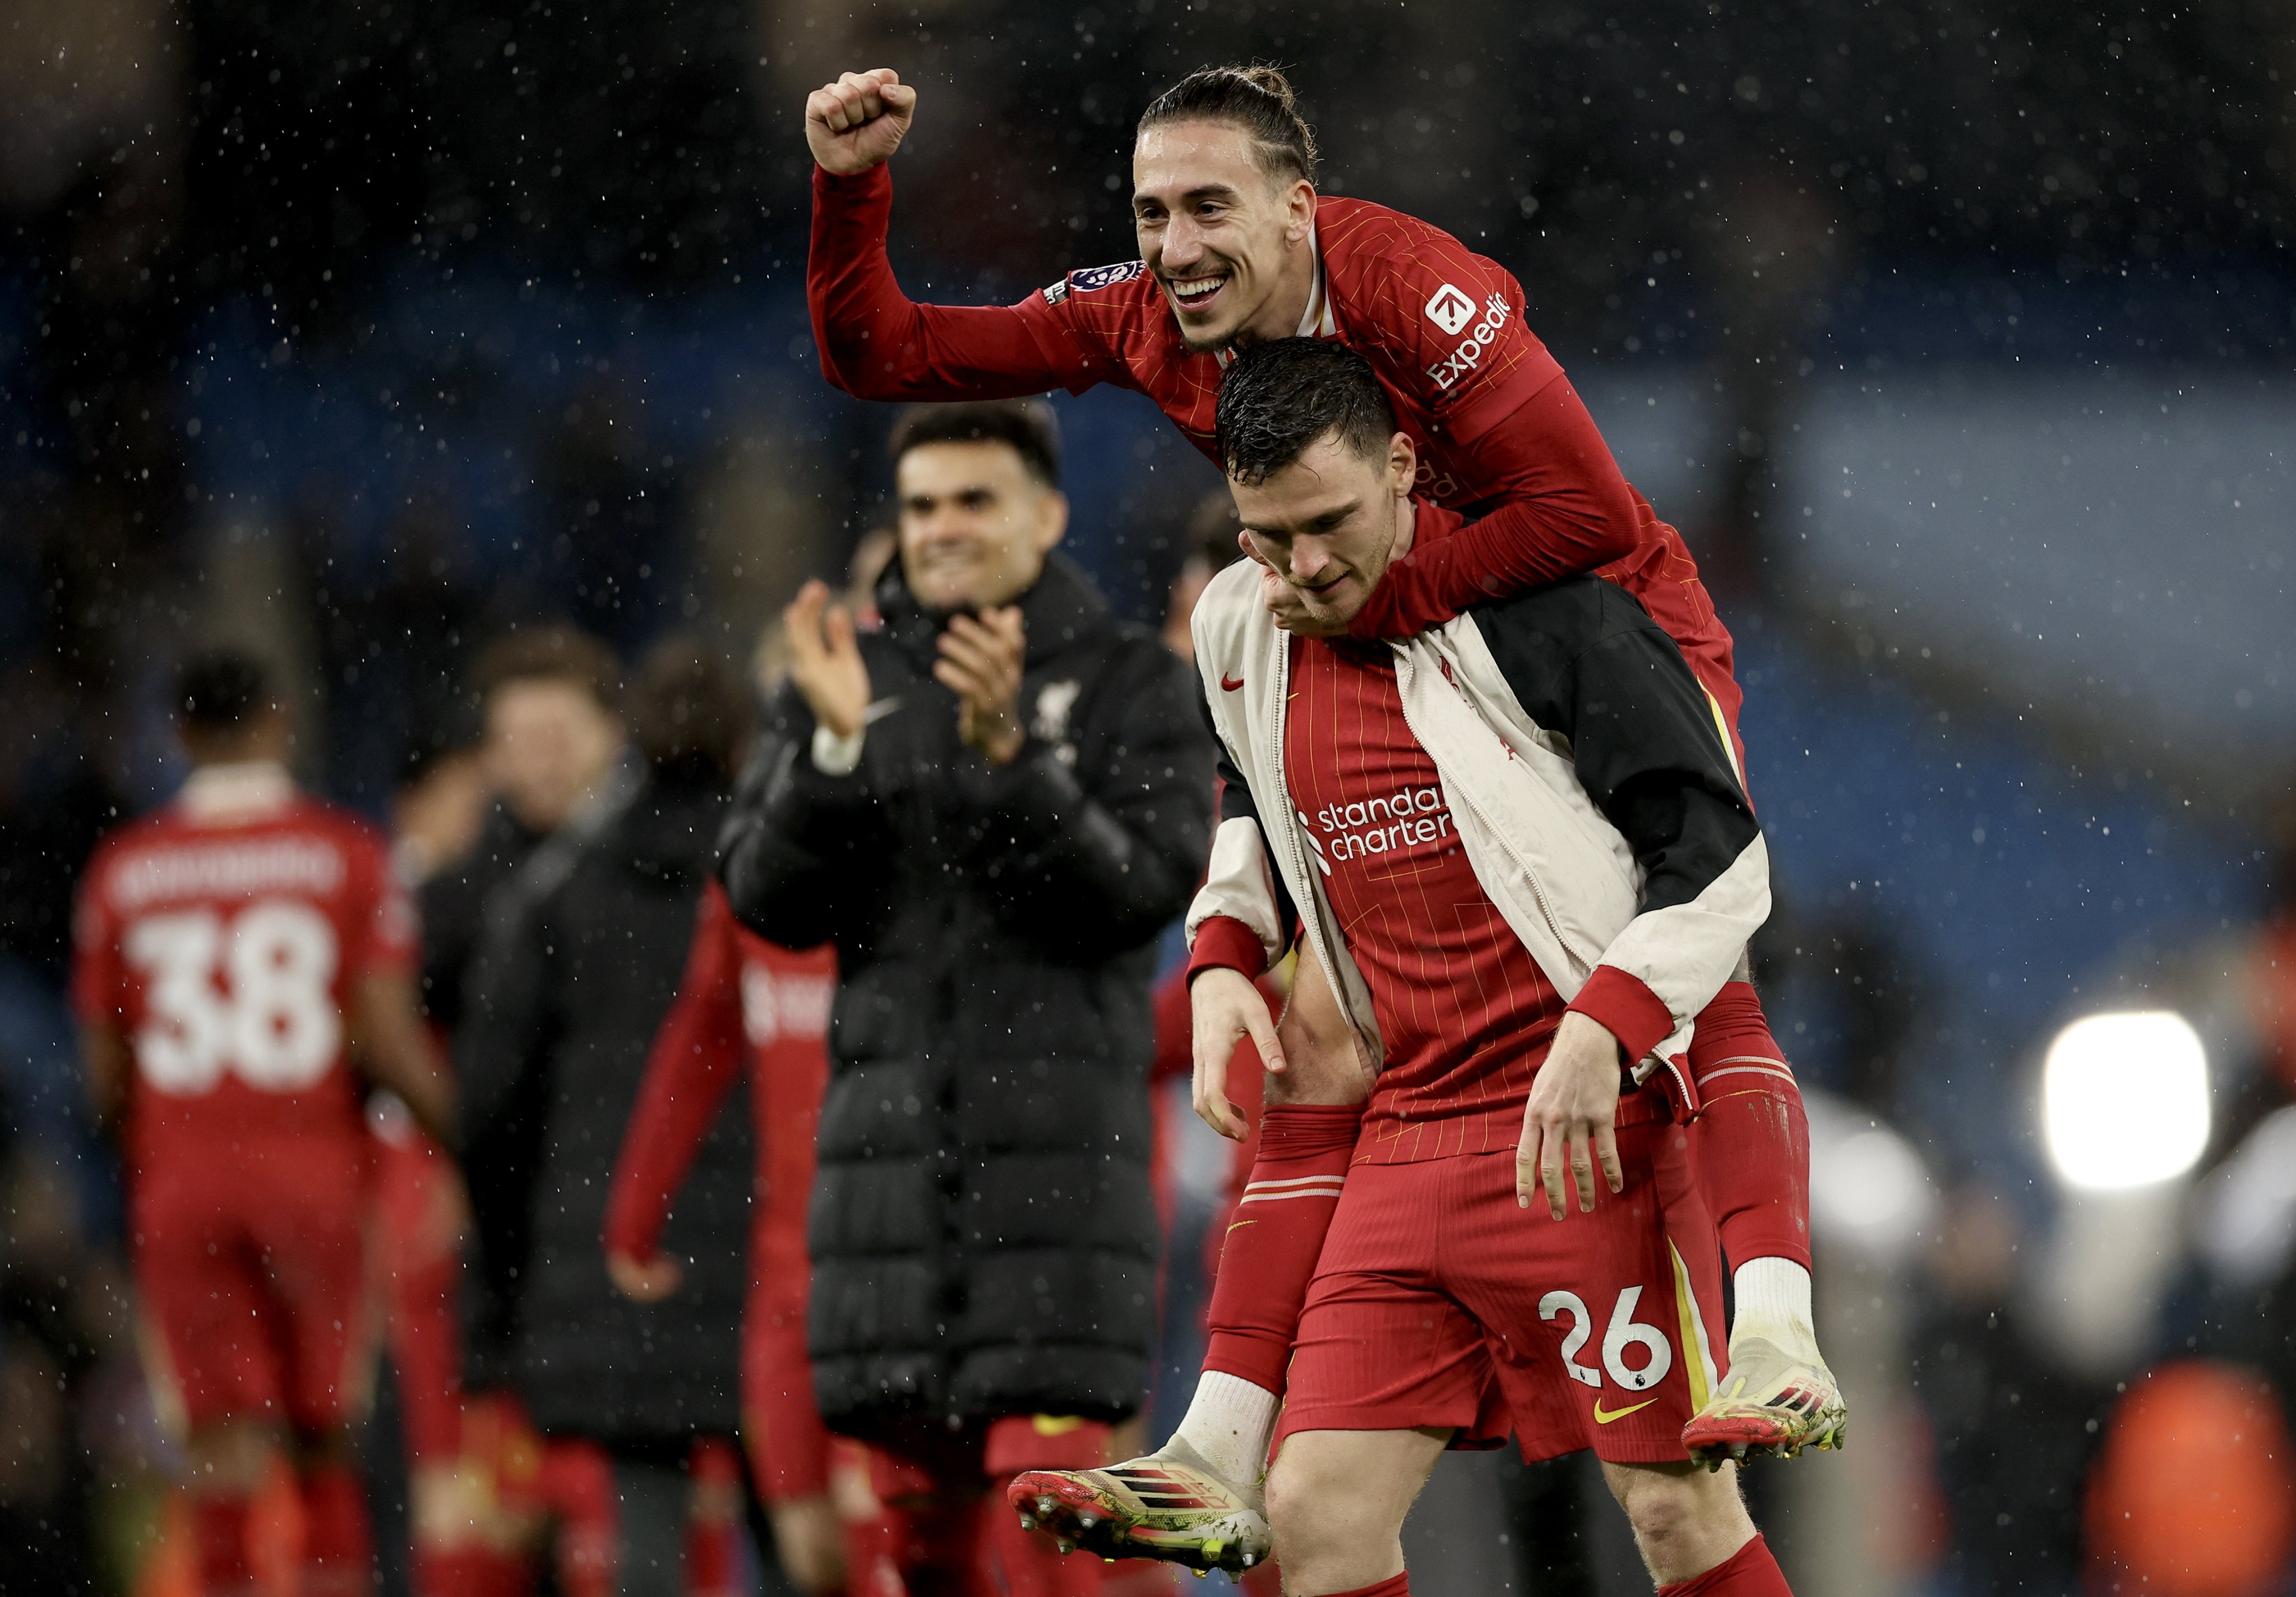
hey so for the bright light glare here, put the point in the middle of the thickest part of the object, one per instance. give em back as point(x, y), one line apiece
point(2125, 1100)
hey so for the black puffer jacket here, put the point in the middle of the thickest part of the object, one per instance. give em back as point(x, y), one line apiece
point(499, 1169)
point(581, 959)
point(983, 1235)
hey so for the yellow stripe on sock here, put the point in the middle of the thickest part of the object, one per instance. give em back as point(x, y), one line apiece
point(1698, 1358)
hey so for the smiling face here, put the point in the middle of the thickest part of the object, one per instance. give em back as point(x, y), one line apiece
point(1330, 524)
point(976, 524)
point(1228, 244)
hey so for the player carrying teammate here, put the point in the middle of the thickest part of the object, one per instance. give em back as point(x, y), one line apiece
point(1237, 247)
point(243, 957)
point(1519, 844)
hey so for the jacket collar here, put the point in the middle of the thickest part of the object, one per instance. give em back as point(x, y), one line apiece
point(1061, 608)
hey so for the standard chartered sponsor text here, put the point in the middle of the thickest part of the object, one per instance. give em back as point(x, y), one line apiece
point(1382, 825)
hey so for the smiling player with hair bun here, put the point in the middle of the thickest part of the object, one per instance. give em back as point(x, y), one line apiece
point(1237, 248)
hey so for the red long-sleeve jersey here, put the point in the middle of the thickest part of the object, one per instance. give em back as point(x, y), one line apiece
point(1501, 433)
point(743, 1002)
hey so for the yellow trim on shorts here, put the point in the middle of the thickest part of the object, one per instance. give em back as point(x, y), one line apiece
point(1697, 1357)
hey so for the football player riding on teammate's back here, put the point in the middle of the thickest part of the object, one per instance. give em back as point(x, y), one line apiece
point(1238, 248)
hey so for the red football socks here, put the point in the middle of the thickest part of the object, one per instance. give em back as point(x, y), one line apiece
point(338, 1543)
point(219, 1541)
point(713, 1519)
point(1748, 1572)
point(1276, 1236)
point(1752, 1139)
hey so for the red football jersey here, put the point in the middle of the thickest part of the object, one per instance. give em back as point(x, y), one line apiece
point(1465, 1012)
point(743, 1004)
point(1501, 433)
point(222, 935)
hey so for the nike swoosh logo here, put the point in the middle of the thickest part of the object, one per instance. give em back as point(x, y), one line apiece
point(1231, 682)
point(879, 709)
point(1633, 1408)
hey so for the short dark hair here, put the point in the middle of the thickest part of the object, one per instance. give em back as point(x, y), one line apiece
point(221, 689)
point(688, 712)
point(548, 654)
point(1259, 100)
point(1028, 425)
point(1279, 398)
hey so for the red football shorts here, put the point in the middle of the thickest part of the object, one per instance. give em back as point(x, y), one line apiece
point(781, 1419)
point(1439, 1302)
point(253, 1275)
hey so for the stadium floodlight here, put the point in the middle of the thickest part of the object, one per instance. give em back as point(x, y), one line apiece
point(2125, 1100)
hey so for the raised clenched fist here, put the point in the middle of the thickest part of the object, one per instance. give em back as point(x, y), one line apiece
point(858, 121)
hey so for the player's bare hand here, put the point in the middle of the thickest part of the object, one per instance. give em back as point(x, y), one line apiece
point(825, 661)
point(645, 1281)
point(980, 662)
point(1571, 1118)
point(1225, 1007)
point(858, 121)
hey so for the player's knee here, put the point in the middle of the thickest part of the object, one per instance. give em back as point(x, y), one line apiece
point(1679, 1511)
point(1312, 1512)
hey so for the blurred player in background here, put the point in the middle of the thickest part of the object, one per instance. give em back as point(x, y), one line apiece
point(461, 1542)
point(549, 742)
point(244, 958)
point(579, 965)
point(1237, 247)
point(745, 1007)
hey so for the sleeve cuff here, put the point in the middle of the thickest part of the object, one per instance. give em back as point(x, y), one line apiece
point(1626, 1008)
point(863, 185)
point(835, 756)
point(1224, 942)
point(628, 1233)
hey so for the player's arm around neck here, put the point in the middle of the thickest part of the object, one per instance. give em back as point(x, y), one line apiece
point(394, 1051)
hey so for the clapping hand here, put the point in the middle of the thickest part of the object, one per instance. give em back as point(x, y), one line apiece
point(825, 661)
point(980, 662)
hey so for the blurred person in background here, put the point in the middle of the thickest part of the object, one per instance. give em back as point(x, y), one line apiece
point(550, 750)
point(2016, 1423)
point(749, 1008)
point(580, 962)
point(1237, 248)
point(990, 807)
point(242, 957)
point(421, 1229)
point(63, 1325)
